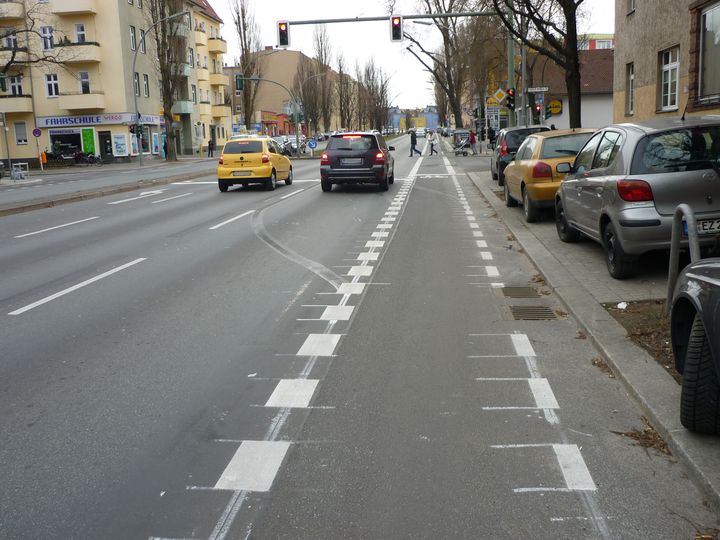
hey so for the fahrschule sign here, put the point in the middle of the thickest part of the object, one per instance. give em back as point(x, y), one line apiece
point(95, 120)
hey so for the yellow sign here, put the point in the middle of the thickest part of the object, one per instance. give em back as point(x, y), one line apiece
point(419, 121)
point(555, 106)
point(499, 95)
point(492, 102)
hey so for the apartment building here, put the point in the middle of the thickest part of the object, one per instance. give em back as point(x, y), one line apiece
point(82, 96)
point(667, 58)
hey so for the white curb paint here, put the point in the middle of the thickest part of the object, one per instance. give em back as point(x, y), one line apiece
point(293, 393)
point(254, 466)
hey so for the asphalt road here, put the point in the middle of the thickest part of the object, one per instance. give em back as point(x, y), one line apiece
point(183, 363)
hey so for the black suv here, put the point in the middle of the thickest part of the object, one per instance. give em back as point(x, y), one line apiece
point(506, 146)
point(357, 158)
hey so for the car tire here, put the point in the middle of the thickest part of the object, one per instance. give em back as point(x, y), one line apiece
point(271, 183)
point(493, 173)
point(565, 231)
point(700, 396)
point(384, 185)
point(501, 177)
point(289, 179)
point(326, 185)
point(222, 186)
point(530, 210)
point(620, 265)
point(509, 201)
point(391, 180)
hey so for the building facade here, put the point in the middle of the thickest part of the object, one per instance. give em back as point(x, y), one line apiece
point(666, 65)
point(82, 95)
point(593, 42)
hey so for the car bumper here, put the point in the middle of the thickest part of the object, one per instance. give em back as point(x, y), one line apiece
point(353, 176)
point(256, 174)
point(543, 193)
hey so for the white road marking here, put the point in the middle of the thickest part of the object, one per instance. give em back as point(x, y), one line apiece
point(58, 227)
point(380, 235)
point(368, 256)
point(171, 198)
point(337, 313)
point(474, 226)
point(387, 219)
point(486, 255)
point(478, 234)
point(319, 345)
point(291, 194)
point(351, 288)
point(543, 394)
point(375, 243)
point(293, 393)
point(254, 466)
point(360, 270)
point(492, 271)
point(143, 195)
point(481, 243)
point(76, 287)
point(522, 345)
point(577, 476)
point(214, 227)
point(471, 218)
point(384, 226)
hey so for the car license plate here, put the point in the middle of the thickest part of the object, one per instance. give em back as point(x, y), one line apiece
point(351, 161)
point(708, 226)
point(241, 173)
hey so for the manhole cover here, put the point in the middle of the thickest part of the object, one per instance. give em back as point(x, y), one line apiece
point(530, 313)
point(517, 292)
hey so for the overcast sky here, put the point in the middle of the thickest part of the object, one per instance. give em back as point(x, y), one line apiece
point(358, 42)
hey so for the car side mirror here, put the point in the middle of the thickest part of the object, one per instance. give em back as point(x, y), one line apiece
point(564, 167)
point(391, 148)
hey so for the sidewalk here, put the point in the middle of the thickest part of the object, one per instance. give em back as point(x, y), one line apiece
point(578, 275)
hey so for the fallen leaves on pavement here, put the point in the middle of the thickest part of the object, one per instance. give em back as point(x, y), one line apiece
point(646, 438)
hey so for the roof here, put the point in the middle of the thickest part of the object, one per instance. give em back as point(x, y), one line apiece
point(562, 132)
point(596, 73)
point(207, 9)
point(662, 124)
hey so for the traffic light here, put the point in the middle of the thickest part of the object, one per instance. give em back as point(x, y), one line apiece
point(548, 111)
point(510, 98)
point(283, 34)
point(396, 28)
point(538, 109)
point(239, 82)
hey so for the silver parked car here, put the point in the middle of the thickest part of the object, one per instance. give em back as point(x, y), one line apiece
point(627, 180)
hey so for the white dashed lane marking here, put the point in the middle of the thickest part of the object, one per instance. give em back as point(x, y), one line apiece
point(254, 466)
point(293, 393)
point(337, 313)
point(319, 345)
point(361, 271)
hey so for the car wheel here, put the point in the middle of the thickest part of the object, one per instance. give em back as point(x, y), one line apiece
point(222, 186)
point(700, 396)
point(271, 183)
point(565, 231)
point(326, 185)
point(289, 179)
point(494, 174)
point(383, 185)
point(620, 265)
point(530, 210)
point(501, 176)
point(509, 201)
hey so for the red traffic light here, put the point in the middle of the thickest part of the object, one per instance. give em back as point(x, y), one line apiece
point(510, 92)
point(283, 34)
point(396, 28)
point(396, 21)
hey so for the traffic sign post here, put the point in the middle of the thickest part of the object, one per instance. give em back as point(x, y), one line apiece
point(36, 133)
point(312, 145)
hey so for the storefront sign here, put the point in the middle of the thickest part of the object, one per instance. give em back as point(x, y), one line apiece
point(556, 106)
point(120, 145)
point(88, 141)
point(95, 120)
point(155, 143)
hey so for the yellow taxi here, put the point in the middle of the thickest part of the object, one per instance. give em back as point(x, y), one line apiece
point(532, 178)
point(253, 160)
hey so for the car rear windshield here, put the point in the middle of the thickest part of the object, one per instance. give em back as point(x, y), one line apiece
point(565, 146)
point(360, 143)
point(243, 147)
point(679, 150)
point(515, 137)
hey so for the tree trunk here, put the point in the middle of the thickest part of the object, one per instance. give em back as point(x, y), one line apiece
point(572, 82)
point(171, 154)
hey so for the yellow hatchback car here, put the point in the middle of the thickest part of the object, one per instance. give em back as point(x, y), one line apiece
point(257, 160)
point(532, 178)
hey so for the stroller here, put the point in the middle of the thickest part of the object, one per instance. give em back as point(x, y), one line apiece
point(461, 138)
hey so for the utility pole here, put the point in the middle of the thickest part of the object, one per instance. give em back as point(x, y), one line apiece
point(510, 68)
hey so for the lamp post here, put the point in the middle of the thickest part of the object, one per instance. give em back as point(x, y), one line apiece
point(135, 93)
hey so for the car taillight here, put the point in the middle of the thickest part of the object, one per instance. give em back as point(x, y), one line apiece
point(379, 158)
point(324, 159)
point(265, 158)
point(542, 170)
point(634, 190)
point(504, 149)
point(220, 161)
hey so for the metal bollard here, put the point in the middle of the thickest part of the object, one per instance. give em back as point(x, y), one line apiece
point(682, 211)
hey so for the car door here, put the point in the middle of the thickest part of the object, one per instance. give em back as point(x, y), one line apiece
point(574, 183)
point(599, 178)
point(276, 159)
point(518, 169)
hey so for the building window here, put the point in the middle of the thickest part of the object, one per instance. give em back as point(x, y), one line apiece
point(16, 85)
point(238, 108)
point(139, 3)
point(142, 41)
point(603, 44)
point(46, 33)
point(133, 42)
point(79, 33)
point(84, 78)
point(20, 133)
point(191, 57)
point(710, 52)
point(205, 64)
point(669, 67)
point(630, 88)
point(11, 38)
point(51, 84)
point(193, 93)
point(130, 2)
point(198, 60)
point(146, 85)
point(136, 83)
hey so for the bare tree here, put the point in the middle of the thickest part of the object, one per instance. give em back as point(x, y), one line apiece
point(549, 27)
point(172, 51)
point(344, 93)
point(321, 43)
point(307, 87)
point(249, 61)
point(376, 86)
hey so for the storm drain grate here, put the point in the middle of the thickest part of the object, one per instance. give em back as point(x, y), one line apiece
point(517, 292)
point(530, 313)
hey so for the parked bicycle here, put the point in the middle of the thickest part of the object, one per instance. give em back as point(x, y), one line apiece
point(82, 158)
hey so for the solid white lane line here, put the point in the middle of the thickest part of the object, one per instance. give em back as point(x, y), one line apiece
point(214, 227)
point(543, 394)
point(76, 287)
point(291, 194)
point(293, 393)
point(254, 466)
point(186, 182)
point(492, 271)
point(319, 345)
point(374, 243)
point(351, 288)
point(171, 198)
point(577, 476)
point(58, 227)
point(368, 256)
point(481, 243)
point(337, 313)
point(522, 345)
point(360, 271)
point(143, 195)
point(486, 256)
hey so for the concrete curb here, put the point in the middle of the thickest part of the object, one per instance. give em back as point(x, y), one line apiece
point(645, 380)
point(37, 204)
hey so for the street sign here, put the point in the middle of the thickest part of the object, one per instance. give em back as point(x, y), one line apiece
point(499, 94)
point(556, 106)
point(492, 102)
point(36, 132)
point(539, 99)
point(312, 144)
point(538, 89)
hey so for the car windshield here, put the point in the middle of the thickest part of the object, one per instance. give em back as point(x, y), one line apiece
point(679, 150)
point(243, 147)
point(352, 142)
point(514, 138)
point(567, 145)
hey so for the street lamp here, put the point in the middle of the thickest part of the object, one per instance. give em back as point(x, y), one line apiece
point(135, 93)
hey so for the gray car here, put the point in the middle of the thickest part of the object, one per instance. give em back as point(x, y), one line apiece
point(695, 329)
point(626, 182)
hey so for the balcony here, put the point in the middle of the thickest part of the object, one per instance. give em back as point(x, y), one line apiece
point(80, 102)
point(182, 107)
point(16, 104)
point(75, 7)
point(219, 79)
point(7, 53)
point(79, 53)
point(220, 111)
point(184, 69)
point(10, 11)
point(182, 30)
point(204, 108)
point(200, 39)
point(217, 45)
point(203, 74)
